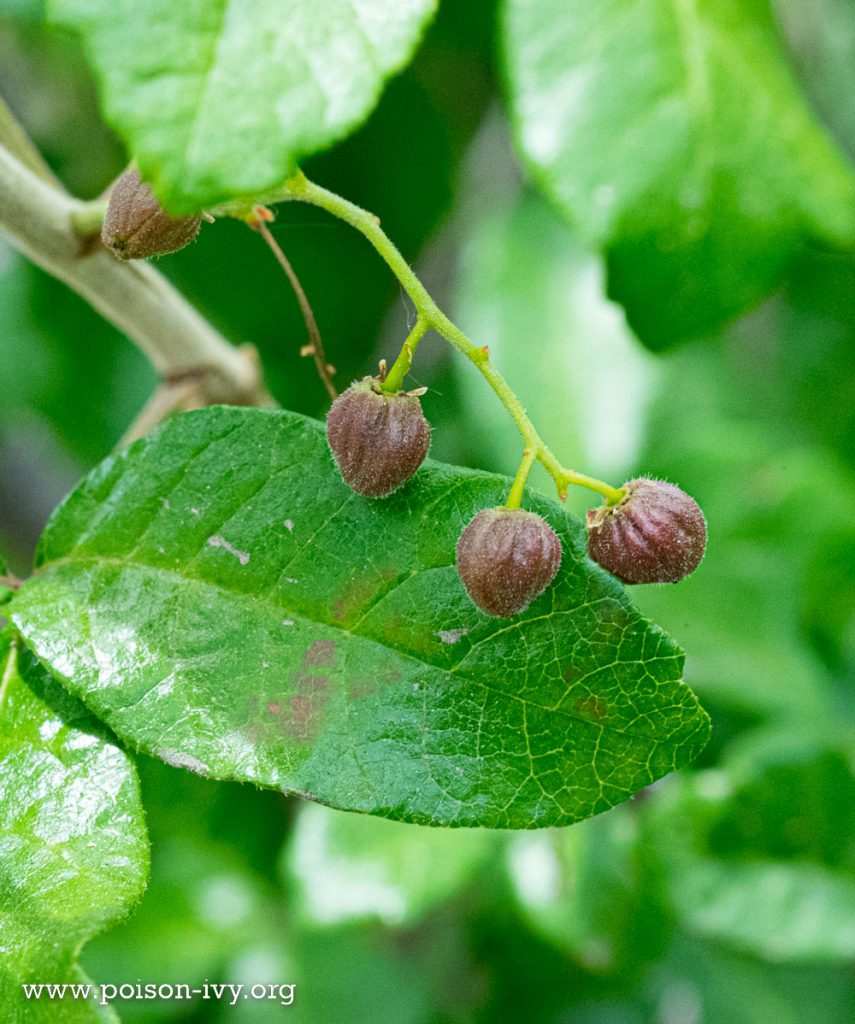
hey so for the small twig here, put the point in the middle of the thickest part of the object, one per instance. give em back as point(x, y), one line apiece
point(315, 347)
point(39, 221)
point(299, 188)
point(169, 398)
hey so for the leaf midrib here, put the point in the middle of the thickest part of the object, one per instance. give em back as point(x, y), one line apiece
point(600, 728)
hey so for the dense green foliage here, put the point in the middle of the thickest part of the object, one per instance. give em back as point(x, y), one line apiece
point(668, 285)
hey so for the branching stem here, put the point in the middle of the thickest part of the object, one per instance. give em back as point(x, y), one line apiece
point(42, 221)
point(299, 188)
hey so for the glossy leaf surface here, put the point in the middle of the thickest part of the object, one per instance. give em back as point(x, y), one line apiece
point(229, 605)
point(73, 848)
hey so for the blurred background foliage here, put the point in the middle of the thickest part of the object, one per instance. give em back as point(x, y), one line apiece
point(722, 896)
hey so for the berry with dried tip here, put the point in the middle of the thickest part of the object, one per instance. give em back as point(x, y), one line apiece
point(378, 440)
point(137, 226)
point(506, 558)
point(655, 534)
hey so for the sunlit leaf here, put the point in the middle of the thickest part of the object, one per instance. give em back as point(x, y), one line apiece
point(73, 848)
point(221, 599)
point(219, 99)
point(351, 866)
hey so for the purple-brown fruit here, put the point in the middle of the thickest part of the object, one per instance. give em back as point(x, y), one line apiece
point(378, 440)
point(137, 226)
point(506, 558)
point(655, 534)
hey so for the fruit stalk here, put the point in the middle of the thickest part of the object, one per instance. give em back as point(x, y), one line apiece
point(300, 189)
point(394, 381)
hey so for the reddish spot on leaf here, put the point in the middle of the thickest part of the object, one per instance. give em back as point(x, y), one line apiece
point(591, 707)
point(361, 592)
point(322, 652)
point(306, 715)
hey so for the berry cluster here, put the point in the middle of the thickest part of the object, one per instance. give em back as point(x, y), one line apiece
point(507, 557)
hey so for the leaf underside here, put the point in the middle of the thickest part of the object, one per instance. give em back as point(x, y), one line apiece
point(219, 98)
point(220, 598)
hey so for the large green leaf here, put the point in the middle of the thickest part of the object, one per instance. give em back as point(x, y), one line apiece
point(220, 597)
point(73, 848)
point(219, 98)
point(674, 134)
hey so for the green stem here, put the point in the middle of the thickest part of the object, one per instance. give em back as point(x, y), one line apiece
point(394, 381)
point(88, 218)
point(431, 316)
point(515, 495)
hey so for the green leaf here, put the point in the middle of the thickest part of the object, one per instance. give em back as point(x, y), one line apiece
point(675, 136)
point(702, 981)
point(586, 890)
point(759, 853)
point(821, 39)
point(208, 913)
point(344, 867)
point(73, 848)
point(25, 10)
point(223, 600)
point(219, 99)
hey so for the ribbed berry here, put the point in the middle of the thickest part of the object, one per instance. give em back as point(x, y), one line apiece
point(506, 558)
point(137, 226)
point(656, 534)
point(377, 440)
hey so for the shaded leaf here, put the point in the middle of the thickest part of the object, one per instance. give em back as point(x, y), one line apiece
point(675, 135)
point(773, 504)
point(771, 875)
point(702, 981)
point(220, 597)
point(5, 589)
point(218, 99)
point(73, 848)
point(346, 867)
point(209, 905)
point(586, 889)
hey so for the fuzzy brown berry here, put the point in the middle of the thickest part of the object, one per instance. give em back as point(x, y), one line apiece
point(655, 534)
point(378, 440)
point(506, 558)
point(137, 226)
